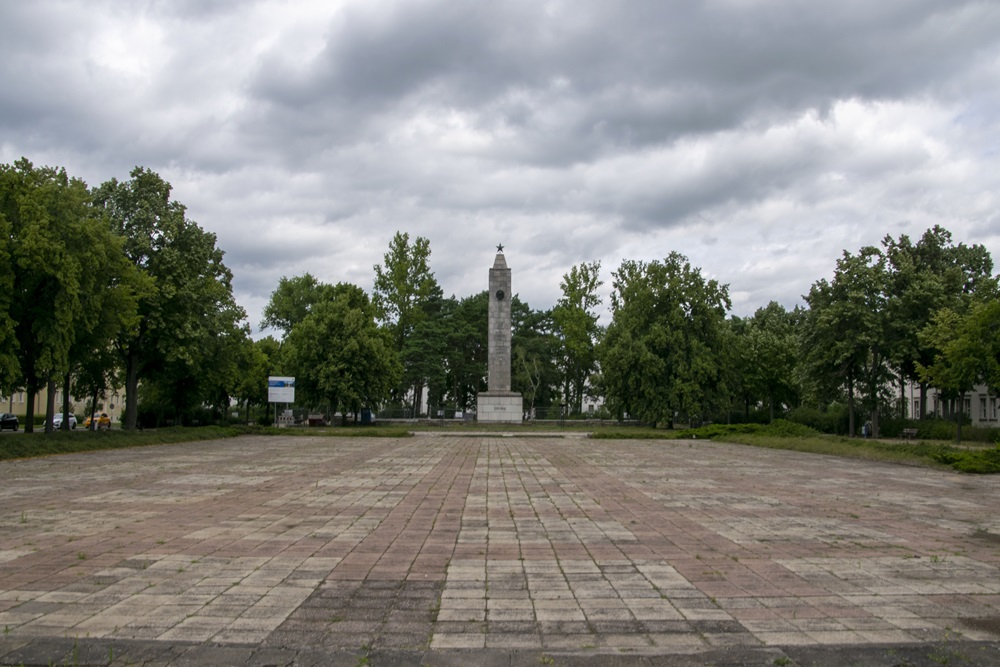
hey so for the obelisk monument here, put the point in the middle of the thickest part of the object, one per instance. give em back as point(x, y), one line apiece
point(499, 404)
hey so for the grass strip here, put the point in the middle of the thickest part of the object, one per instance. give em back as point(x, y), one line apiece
point(782, 434)
point(917, 454)
point(30, 445)
point(633, 433)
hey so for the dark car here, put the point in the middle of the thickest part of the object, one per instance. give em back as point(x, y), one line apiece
point(8, 421)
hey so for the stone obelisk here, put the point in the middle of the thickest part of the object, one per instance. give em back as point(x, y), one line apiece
point(499, 404)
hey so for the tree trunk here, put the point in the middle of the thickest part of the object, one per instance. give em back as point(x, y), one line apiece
point(850, 407)
point(958, 415)
point(923, 400)
point(903, 406)
point(770, 405)
point(30, 389)
point(50, 408)
point(93, 407)
point(875, 418)
point(131, 391)
point(65, 401)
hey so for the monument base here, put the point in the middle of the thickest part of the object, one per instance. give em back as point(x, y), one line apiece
point(499, 407)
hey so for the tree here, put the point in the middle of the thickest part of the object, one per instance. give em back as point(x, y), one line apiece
point(466, 351)
point(769, 346)
point(962, 358)
point(47, 223)
point(844, 334)
point(924, 277)
point(260, 360)
point(983, 327)
point(577, 329)
point(185, 303)
point(534, 351)
point(292, 301)
point(404, 296)
point(9, 367)
point(340, 356)
point(660, 355)
point(109, 308)
point(424, 353)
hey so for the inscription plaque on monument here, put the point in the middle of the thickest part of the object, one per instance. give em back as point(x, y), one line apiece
point(499, 403)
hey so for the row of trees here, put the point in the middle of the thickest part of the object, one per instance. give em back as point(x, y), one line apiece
point(112, 287)
point(348, 351)
point(924, 312)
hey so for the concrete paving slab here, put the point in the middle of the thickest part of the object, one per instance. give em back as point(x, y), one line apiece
point(503, 550)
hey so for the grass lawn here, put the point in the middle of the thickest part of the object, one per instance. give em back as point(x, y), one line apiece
point(28, 445)
point(970, 458)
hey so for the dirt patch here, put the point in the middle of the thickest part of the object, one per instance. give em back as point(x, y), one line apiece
point(991, 624)
point(986, 536)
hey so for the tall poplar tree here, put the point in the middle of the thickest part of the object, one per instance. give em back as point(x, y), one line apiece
point(578, 333)
point(406, 294)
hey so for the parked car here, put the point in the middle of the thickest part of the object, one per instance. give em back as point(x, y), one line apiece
point(8, 421)
point(58, 420)
point(100, 420)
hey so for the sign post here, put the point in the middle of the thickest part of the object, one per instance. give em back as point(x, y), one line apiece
point(280, 389)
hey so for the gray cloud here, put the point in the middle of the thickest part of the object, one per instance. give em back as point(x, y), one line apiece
point(758, 138)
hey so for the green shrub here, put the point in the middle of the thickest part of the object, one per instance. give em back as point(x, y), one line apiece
point(779, 428)
point(835, 420)
point(938, 429)
point(789, 429)
point(983, 461)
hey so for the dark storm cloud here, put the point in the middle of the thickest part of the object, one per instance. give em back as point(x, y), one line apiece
point(620, 77)
point(758, 137)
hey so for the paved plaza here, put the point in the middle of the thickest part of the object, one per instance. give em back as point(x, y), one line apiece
point(446, 549)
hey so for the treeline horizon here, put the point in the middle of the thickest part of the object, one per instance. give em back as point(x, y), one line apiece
point(113, 286)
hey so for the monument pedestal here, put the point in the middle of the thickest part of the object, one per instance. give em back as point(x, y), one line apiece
point(499, 407)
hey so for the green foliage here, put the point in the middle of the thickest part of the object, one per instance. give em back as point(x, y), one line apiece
point(845, 342)
point(967, 350)
point(535, 355)
point(259, 360)
point(925, 277)
point(292, 301)
point(983, 461)
point(465, 355)
point(186, 343)
point(833, 420)
point(332, 432)
point(779, 428)
point(788, 435)
point(405, 295)
point(939, 429)
point(769, 347)
point(662, 353)
point(19, 446)
point(338, 354)
point(577, 332)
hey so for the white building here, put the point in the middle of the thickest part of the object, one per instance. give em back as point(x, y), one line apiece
point(979, 406)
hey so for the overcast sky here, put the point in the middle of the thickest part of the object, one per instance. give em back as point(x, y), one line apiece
point(760, 138)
